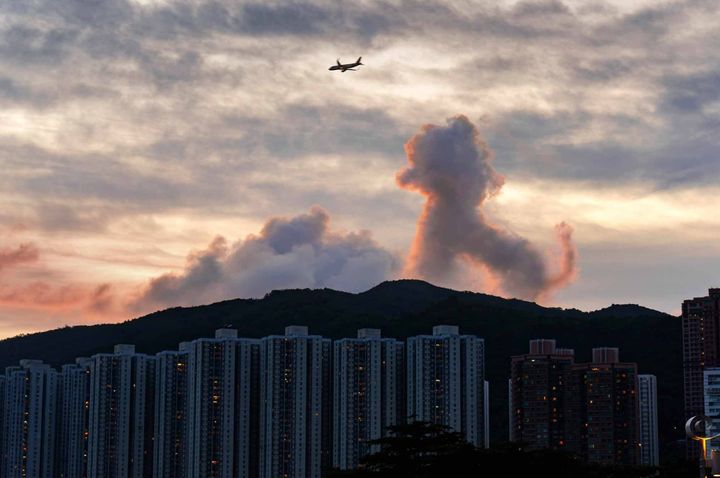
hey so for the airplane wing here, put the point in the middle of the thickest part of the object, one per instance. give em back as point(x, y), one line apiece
point(338, 62)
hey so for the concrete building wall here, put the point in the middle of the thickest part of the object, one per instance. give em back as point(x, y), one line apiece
point(367, 372)
point(296, 404)
point(74, 413)
point(223, 406)
point(648, 420)
point(121, 414)
point(31, 394)
point(446, 377)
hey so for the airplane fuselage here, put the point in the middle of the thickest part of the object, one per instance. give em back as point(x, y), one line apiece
point(343, 67)
point(346, 66)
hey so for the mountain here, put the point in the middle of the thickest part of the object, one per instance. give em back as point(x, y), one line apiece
point(401, 308)
point(626, 311)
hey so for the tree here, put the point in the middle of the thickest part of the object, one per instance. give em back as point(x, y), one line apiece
point(418, 450)
point(424, 450)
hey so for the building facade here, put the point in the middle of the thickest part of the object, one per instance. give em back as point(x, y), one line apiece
point(369, 376)
point(445, 381)
point(121, 414)
point(30, 419)
point(603, 412)
point(171, 411)
point(648, 420)
point(539, 395)
point(223, 406)
point(2, 421)
point(711, 409)
point(486, 412)
point(295, 405)
point(701, 349)
point(74, 413)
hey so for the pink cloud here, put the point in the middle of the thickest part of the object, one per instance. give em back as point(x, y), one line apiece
point(24, 253)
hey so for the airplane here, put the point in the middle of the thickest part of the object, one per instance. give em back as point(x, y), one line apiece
point(346, 66)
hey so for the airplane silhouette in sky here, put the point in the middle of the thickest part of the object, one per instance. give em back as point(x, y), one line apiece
point(346, 66)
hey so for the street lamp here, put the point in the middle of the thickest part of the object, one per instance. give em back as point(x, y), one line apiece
point(696, 428)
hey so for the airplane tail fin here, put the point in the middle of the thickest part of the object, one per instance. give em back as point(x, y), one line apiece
point(358, 62)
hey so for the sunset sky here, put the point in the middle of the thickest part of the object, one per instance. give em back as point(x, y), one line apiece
point(176, 152)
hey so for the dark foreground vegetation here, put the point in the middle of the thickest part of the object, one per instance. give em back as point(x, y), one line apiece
point(422, 450)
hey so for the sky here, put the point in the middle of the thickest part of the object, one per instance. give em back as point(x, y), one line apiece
point(177, 152)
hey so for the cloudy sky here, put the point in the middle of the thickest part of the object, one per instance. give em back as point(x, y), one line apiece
point(176, 152)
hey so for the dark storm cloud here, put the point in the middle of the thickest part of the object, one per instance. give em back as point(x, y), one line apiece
point(298, 252)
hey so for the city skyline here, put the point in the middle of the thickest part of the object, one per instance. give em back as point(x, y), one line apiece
point(227, 406)
point(230, 406)
point(170, 152)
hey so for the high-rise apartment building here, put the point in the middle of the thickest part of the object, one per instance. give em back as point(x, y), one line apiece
point(171, 402)
point(539, 395)
point(602, 421)
point(711, 392)
point(296, 405)
point(30, 420)
point(648, 420)
point(369, 380)
point(74, 413)
point(2, 421)
point(121, 414)
point(701, 349)
point(222, 406)
point(486, 412)
point(445, 381)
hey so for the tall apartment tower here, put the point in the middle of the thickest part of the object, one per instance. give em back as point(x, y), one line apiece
point(369, 381)
point(486, 412)
point(296, 405)
point(171, 402)
point(74, 413)
point(121, 414)
point(2, 421)
point(648, 420)
point(445, 381)
point(222, 401)
point(701, 349)
point(539, 395)
point(30, 420)
point(711, 385)
point(603, 410)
